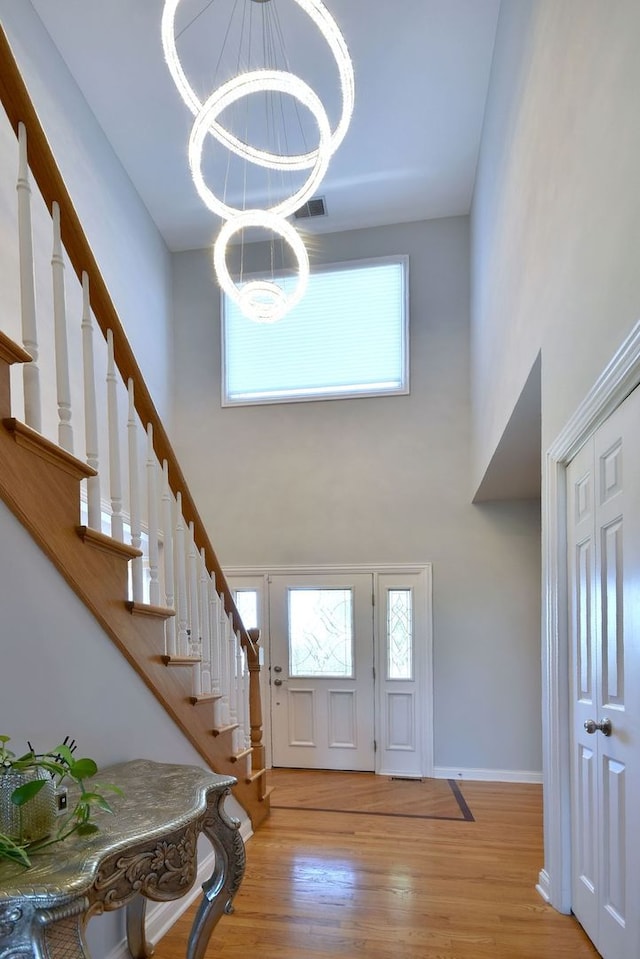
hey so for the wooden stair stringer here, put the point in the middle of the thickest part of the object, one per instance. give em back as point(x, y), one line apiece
point(44, 496)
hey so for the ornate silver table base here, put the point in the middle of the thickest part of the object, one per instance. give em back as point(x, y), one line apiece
point(147, 850)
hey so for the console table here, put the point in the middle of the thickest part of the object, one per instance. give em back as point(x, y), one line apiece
point(146, 850)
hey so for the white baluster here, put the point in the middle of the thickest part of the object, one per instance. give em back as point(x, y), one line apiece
point(233, 685)
point(179, 559)
point(94, 518)
point(239, 745)
point(115, 474)
point(194, 613)
point(152, 519)
point(65, 429)
point(216, 643)
point(135, 512)
point(214, 621)
point(225, 673)
point(205, 624)
point(31, 373)
point(167, 554)
point(247, 702)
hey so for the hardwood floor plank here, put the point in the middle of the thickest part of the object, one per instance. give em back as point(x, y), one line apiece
point(329, 884)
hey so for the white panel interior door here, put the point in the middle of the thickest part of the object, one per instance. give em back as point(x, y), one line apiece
point(322, 686)
point(603, 499)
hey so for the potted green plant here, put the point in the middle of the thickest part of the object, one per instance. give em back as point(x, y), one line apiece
point(30, 791)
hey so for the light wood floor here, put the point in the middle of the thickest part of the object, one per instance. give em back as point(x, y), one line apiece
point(356, 885)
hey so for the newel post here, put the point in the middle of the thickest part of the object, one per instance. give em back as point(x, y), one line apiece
point(255, 700)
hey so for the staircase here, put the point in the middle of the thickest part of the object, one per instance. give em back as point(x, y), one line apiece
point(153, 581)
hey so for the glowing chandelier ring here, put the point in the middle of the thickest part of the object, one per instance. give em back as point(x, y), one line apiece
point(263, 300)
point(235, 89)
point(329, 30)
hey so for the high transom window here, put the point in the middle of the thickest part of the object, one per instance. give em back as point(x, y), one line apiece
point(347, 337)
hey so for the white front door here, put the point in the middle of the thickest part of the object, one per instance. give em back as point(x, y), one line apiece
point(603, 494)
point(322, 677)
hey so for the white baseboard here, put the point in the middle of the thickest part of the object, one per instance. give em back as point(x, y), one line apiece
point(488, 775)
point(543, 887)
point(161, 916)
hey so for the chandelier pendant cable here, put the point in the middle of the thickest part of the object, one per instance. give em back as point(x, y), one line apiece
point(264, 300)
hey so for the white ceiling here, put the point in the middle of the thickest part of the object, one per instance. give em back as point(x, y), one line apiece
point(422, 70)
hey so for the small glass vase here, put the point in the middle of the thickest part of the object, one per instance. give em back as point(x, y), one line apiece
point(36, 818)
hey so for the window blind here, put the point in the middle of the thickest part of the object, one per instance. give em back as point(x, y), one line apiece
point(347, 337)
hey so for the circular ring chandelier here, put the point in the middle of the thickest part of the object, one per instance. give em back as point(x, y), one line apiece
point(263, 300)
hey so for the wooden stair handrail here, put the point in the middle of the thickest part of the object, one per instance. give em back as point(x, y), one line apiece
point(19, 109)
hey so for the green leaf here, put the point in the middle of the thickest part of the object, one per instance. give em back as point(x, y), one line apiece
point(102, 803)
point(4, 739)
point(83, 769)
point(56, 769)
point(86, 829)
point(63, 752)
point(82, 811)
point(109, 787)
point(11, 851)
point(27, 791)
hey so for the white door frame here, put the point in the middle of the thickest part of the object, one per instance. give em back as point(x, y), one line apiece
point(618, 379)
point(261, 574)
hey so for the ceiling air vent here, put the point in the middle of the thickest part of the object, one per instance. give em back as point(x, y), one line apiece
point(313, 207)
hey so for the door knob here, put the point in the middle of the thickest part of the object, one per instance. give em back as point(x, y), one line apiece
point(277, 669)
point(604, 726)
point(277, 682)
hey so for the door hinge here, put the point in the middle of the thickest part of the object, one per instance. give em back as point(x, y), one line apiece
point(373, 670)
point(375, 746)
point(373, 599)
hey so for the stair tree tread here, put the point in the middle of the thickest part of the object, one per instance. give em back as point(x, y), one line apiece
point(92, 537)
point(46, 449)
point(181, 660)
point(12, 352)
point(146, 609)
point(219, 730)
point(255, 775)
point(205, 698)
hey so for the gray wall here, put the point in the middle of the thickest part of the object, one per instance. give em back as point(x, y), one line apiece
point(555, 220)
point(382, 480)
point(556, 212)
